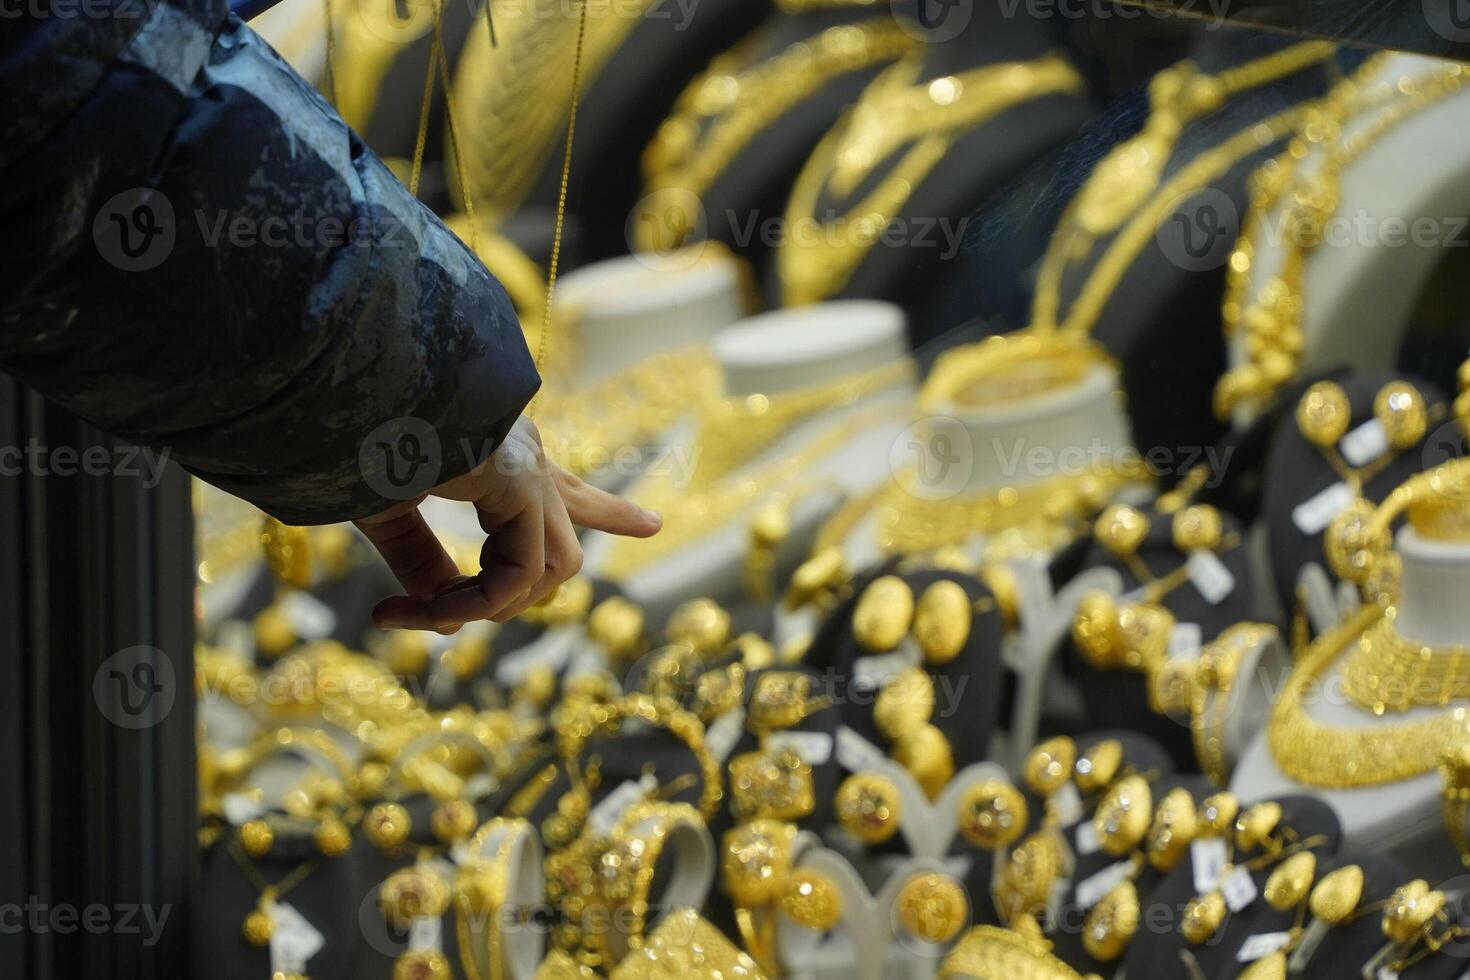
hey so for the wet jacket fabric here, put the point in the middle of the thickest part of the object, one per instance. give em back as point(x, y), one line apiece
point(197, 254)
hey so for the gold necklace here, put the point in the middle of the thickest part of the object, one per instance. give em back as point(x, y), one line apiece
point(1385, 672)
point(1177, 96)
point(818, 258)
point(733, 102)
point(260, 924)
point(1317, 754)
point(1273, 319)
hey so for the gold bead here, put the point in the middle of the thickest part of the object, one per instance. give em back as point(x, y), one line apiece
point(616, 625)
point(1001, 582)
point(942, 621)
point(1291, 882)
point(1123, 817)
point(332, 838)
point(1098, 766)
point(1096, 633)
point(1121, 529)
point(1049, 765)
point(258, 928)
point(1197, 527)
point(756, 864)
point(538, 687)
point(411, 893)
point(1324, 414)
point(1409, 910)
point(932, 907)
point(423, 964)
point(256, 837)
point(371, 778)
point(1202, 916)
point(1112, 924)
point(1172, 831)
point(700, 623)
point(454, 820)
point(1337, 895)
point(905, 702)
point(812, 901)
point(274, 634)
point(1217, 815)
point(387, 825)
point(1256, 825)
point(869, 807)
point(771, 523)
point(926, 753)
point(1400, 409)
point(1271, 967)
point(992, 814)
point(883, 614)
point(406, 652)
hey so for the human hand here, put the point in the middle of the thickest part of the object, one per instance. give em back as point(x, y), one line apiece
point(527, 506)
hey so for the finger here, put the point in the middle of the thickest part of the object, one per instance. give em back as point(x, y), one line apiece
point(563, 554)
point(411, 550)
point(597, 509)
point(512, 561)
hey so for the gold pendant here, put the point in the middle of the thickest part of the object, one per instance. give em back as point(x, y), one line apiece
point(1290, 883)
point(1112, 923)
point(883, 614)
point(1123, 817)
point(992, 814)
point(942, 621)
point(1336, 896)
point(1123, 180)
point(1271, 967)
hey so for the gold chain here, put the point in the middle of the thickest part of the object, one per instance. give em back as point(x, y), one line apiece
point(1385, 672)
point(1273, 319)
point(1317, 754)
point(730, 104)
point(818, 258)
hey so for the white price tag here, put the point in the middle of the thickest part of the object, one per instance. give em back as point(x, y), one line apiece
point(1312, 515)
point(241, 807)
point(1239, 889)
point(1210, 576)
point(724, 732)
point(813, 748)
point(552, 650)
point(855, 753)
point(1185, 640)
point(294, 940)
point(1261, 944)
point(425, 934)
point(605, 815)
point(869, 673)
point(1067, 804)
point(311, 618)
point(1207, 856)
point(1384, 973)
point(1364, 444)
point(1093, 890)
point(1087, 842)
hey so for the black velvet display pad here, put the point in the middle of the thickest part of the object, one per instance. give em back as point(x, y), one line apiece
point(908, 270)
point(1067, 929)
point(1296, 471)
point(1348, 947)
point(1120, 697)
point(1159, 947)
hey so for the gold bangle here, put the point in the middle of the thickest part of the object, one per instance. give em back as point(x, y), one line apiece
point(637, 844)
point(685, 945)
point(987, 953)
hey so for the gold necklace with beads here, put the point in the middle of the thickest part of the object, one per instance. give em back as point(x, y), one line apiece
point(1273, 319)
point(1385, 672)
point(260, 924)
point(819, 257)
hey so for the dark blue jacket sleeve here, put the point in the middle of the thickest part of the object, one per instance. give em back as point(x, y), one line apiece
point(200, 256)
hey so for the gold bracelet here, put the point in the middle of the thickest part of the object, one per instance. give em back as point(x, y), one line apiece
point(637, 844)
point(685, 945)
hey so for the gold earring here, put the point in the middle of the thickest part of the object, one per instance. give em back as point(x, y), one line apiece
point(256, 837)
point(1123, 817)
point(1095, 631)
point(1255, 826)
point(1410, 910)
point(1099, 766)
point(1217, 815)
point(869, 807)
point(1049, 765)
point(926, 753)
point(387, 825)
point(933, 907)
point(422, 964)
point(1112, 923)
point(1173, 830)
point(1202, 916)
point(1121, 530)
point(412, 893)
point(1337, 895)
point(812, 901)
point(1290, 883)
point(1197, 527)
point(1401, 411)
point(905, 702)
point(453, 820)
point(942, 621)
point(883, 614)
point(1324, 414)
point(332, 838)
point(992, 814)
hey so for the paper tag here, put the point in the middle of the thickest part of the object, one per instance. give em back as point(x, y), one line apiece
point(1066, 804)
point(311, 618)
point(1384, 973)
point(813, 748)
point(1261, 944)
point(1210, 576)
point(294, 940)
point(1239, 889)
point(480, 785)
point(553, 651)
point(1312, 516)
point(855, 753)
point(1057, 893)
point(609, 810)
point(1185, 640)
point(724, 732)
point(1087, 842)
point(1364, 444)
point(1207, 856)
point(425, 934)
point(241, 807)
point(958, 866)
point(463, 854)
point(869, 673)
point(1092, 891)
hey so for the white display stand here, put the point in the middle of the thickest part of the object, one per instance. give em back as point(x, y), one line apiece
point(1402, 817)
point(1361, 284)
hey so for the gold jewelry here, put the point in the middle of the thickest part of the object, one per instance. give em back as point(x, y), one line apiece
point(256, 837)
point(988, 952)
point(1273, 318)
point(783, 699)
point(869, 807)
point(1124, 816)
point(991, 814)
point(812, 901)
point(1049, 765)
point(331, 837)
point(1202, 917)
point(1028, 874)
point(733, 102)
point(701, 624)
point(1123, 180)
point(422, 964)
point(259, 924)
point(1173, 829)
point(1291, 882)
point(905, 702)
point(756, 866)
point(1410, 919)
point(1098, 766)
point(415, 892)
point(771, 784)
point(1254, 827)
point(932, 907)
point(617, 625)
point(682, 946)
point(630, 865)
point(883, 614)
point(1454, 770)
point(1336, 897)
point(1112, 923)
point(897, 110)
point(925, 752)
point(942, 621)
point(387, 825)
point(1217, 814)
point(1384, 672)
